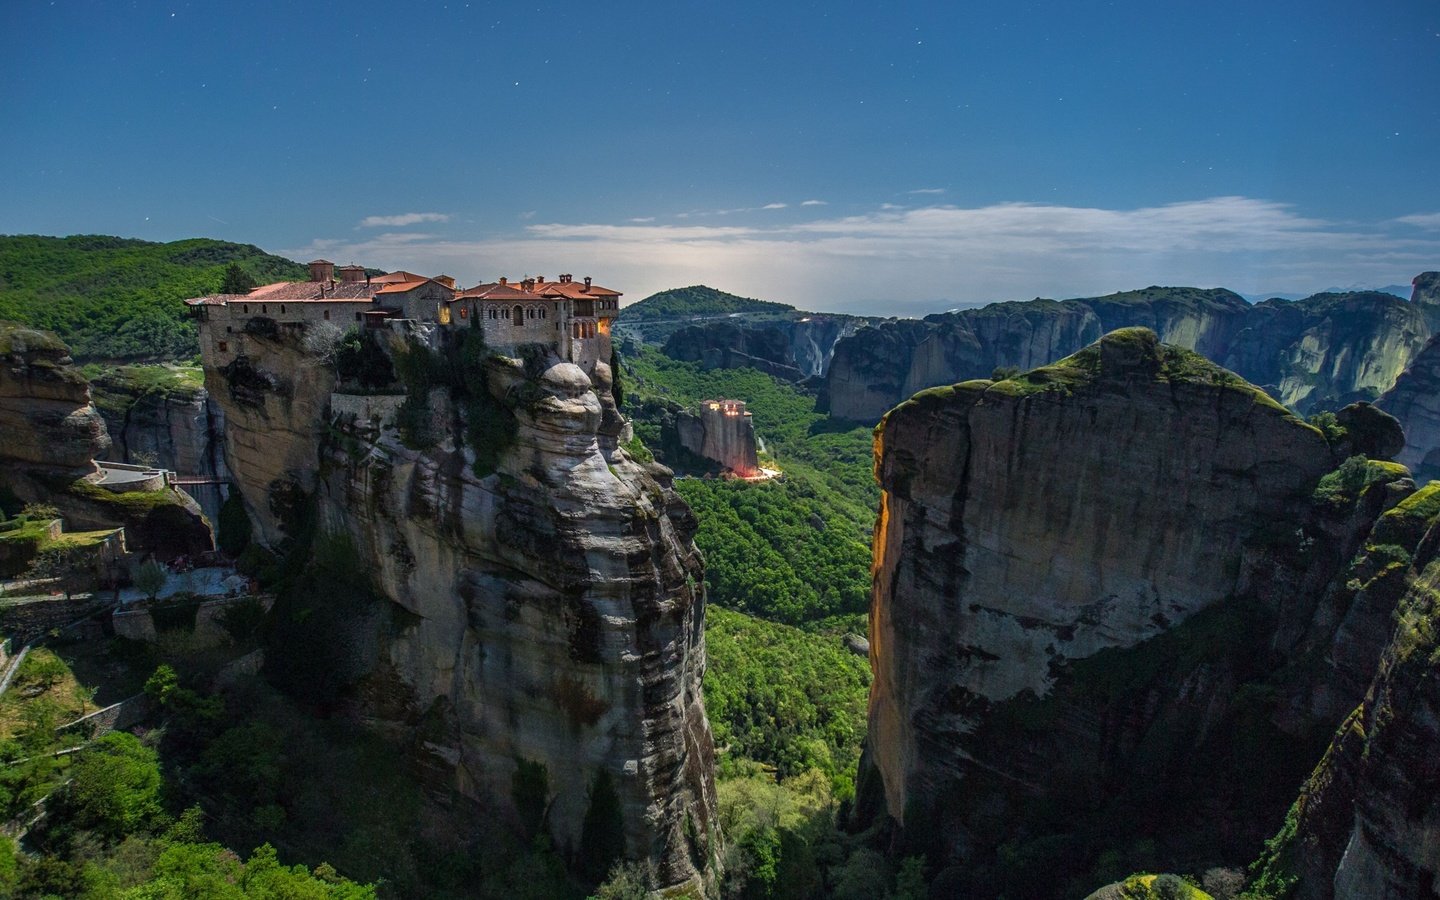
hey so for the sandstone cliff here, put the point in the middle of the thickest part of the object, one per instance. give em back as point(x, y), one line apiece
point(46, 417)
point(1415, 401)
point(1367, 823)
point(545, 596)
point(156, 415)
point(793, 350)
point(50, 435)
point(1321, 352)
point(1105, 604)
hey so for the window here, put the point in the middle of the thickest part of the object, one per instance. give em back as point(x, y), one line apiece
point(327, 315)
point(282, 309)
point(224, 346)
point(517, 316)
point(542, 313)
point(464, 313)
point(530, 313)
point(494, 314)
point(357, 317)
point(247, 309)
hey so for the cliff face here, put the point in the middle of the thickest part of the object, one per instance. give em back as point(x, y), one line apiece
point(50, 435)
point(1367, 823)
point(1321, 352)
point(1093, 587)
point(1415, 401)
point(551, 624)
point(793, 350)
point(46, 417)
point(174, 425)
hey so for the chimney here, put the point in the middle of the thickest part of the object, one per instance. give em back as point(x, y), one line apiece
point(322, 270)
point(587, 284)
point(504, 281)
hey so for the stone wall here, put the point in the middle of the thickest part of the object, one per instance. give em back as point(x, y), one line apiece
point(116, 717)
point(138, 623)
point(724, 432)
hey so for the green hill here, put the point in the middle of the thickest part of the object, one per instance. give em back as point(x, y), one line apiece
point(697, 300)
point(118, 299)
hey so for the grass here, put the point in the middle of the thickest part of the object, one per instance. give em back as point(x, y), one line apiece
point(33, 686)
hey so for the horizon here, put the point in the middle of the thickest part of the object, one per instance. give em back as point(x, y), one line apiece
point(851, 160)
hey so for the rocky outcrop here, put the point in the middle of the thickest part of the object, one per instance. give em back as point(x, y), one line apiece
point(1415, 401)
point(156, 416)
point(1425, 293)
point(546, 640)
point(46, 417)
point(724, 433)
point(50, 435)
point(792, 350)
point(1367, 823)
point(1095, 587)
point(1321, 352)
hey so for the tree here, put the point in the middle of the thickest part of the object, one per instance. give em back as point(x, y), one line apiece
point(236, 280)
point(44, 667)
point(151, 578)
point(115, 787)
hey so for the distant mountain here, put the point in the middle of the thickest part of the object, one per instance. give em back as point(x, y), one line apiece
point(697, 300)
point(1399, 290)
point(118, 299)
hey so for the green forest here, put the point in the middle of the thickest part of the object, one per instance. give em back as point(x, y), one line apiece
point(697, 300)
point(118, 299)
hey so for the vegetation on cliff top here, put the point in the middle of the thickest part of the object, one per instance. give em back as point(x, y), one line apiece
point(115, 298)
point(696, 300)
point(796, 549)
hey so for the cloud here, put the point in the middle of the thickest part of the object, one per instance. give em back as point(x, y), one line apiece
point(775, 206)
point(909, 261)
point(402, 220)
point(1421, 220)
point(814, 203)
point(642, 219)
point(927, 191)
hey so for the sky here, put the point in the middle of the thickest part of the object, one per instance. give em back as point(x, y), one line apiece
point(892, 159)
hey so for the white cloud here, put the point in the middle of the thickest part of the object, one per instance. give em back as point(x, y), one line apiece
point(927, 191)
point(1421, 220)
point(896, 261)
point(814, 203)
point(402, 220)
point(775, 206)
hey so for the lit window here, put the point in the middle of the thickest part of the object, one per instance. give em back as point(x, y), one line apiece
point(464, 313)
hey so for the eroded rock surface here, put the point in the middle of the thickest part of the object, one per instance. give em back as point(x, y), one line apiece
point(1100, 588)
point(46, 417)
point(553, 608)
point(1320, 352)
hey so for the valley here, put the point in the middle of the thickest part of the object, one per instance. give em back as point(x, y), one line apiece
point(1118, 586)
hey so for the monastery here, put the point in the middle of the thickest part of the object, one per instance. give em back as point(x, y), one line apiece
point(571, 318)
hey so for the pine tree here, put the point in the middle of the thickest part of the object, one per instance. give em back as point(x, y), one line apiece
point(236, 281)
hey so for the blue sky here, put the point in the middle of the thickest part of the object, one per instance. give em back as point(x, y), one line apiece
point(888, 159)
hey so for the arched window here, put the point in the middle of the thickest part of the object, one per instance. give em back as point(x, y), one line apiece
point(542, 312)
point(282, 309)
point(517, 316)
point(327, 315)
point(464, 313)
point(246, 307)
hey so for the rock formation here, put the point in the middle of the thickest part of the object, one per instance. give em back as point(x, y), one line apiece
point(724, 433)
point(1367, 822)
point(1415, 401)
point(1095, 584)
point(793, 350)
point(50, 435)
point(46, 417)
point(545, 595)
point(1321, 352)
point(175, 426)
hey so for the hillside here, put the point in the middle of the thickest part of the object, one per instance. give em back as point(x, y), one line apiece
point(114, 298)
point(696, 300)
